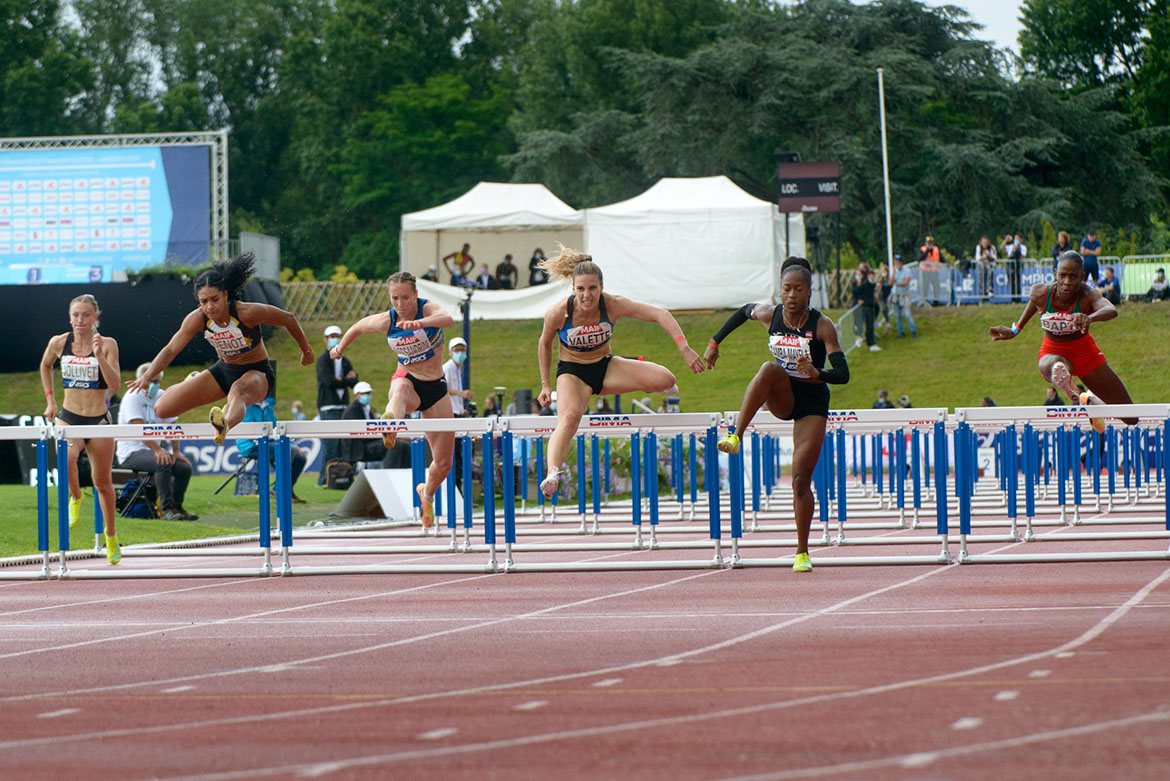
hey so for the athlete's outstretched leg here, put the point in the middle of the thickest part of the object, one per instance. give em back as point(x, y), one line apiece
point(1107, 386)
point(1057, 370)
point(401, 398)
point(770, 386)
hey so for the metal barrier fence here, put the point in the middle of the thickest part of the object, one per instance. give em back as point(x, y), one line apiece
point(905, 464)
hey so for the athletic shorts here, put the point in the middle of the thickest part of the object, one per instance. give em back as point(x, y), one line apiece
point(592, 374)
point(809, 398)
point(1082, 353)
point(73, 419)
point(430, 392)
point(226, 374)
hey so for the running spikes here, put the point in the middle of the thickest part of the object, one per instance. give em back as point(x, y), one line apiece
point(1062, 379)
point(550, 484)
point(428, 506)
point(802, 564)
point(219, 424)
point(390, 437)
point(729, 444)
point(75, 506)
point(113, 549)
point(1098, 424)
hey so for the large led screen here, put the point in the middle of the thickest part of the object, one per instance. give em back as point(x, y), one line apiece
point(80, 215)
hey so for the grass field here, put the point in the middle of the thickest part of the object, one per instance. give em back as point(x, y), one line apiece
point(954, 363)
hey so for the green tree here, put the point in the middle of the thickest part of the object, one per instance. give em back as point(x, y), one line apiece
point(1084, 42)
point(41, 72)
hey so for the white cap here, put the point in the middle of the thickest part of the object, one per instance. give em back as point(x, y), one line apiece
point(332, 329)
point(363, 387)
point(458, 341)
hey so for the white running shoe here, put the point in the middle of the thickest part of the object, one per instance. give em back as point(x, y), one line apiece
point(550, 484)
point(873, 348)
point(1062, 379)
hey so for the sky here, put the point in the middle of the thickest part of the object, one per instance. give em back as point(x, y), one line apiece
point(1000, 19)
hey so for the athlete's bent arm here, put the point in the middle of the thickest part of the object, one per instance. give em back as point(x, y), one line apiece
point(192, 324)
point(107, 357)
point(624, 307)
point(433, 316)
point(544, 350)
point(371, 324)
point(266, 314)
point(839, 374)
point(1001, 332)
point(52, 352)
point(1098, 309)
point(752, 311)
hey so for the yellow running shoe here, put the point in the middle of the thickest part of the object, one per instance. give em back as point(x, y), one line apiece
point(75, 506)
point(729, 444)
point(428, 506)
point(802, 564)
point(217, 421)
point(1098, 424)
point(390, 437)
point(113, 549)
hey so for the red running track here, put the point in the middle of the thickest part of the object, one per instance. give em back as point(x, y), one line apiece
point(967, 672)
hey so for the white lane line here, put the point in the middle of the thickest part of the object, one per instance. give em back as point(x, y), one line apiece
point(177, 689)
point(607, 682)
point(128, 598)
point(438, 734)
point(967, 722)
point(530, 705)
point(921, 759)
point(1006, 695)
point(1040, 673)
point(54, 714)
point(1065, 655)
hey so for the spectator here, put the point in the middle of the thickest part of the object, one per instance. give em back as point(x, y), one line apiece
point(1109, 287)
point(1091, 254)
point(1053, 398)
point(1060, 247)
point(904, 401)
point(485, 281)
point(334, 379)
point(432, 274)
point(266, 410)
point(537, 275)
point(171, 469)
point(885, 284)
point(900, 298)
point(1159, 289)
point(453, 374)
point(929, 263)
point(361, 449)
point(298, 410)
point(864, 296)
point(513, 407)
point(987, 402)
point(507, 274)
point(536, 409)
point(883, 400)
point(489, 407)
point(463, 264)
point(985, 267)
point(1017, 253)
point(603, 407)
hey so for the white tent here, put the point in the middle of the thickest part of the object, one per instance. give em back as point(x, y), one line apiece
point(495, 219)
point(692, 244)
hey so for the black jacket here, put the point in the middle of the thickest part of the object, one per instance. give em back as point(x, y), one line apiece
point(328, 384)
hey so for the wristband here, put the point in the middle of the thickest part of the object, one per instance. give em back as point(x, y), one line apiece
point(49, 393)
point(713, 343)
point(1015, 328)
point(680, 339)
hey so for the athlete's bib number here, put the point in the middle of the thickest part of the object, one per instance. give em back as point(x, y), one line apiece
point(787, 349)
point(413, 348)
point(1059, 323)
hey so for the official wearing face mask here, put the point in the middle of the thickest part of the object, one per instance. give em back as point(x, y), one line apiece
point(362, 408)
point(334, 379)
point(172, 469)
point(453, 374)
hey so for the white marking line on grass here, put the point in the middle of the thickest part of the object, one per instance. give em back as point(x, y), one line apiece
point(1087, 636)
point(438, 734)
point(1006, 695)
point(54, 714)
point(967, 722)
point(530, 705)
point(607, 682)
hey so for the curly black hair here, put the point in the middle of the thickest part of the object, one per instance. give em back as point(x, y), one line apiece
point(229, 276)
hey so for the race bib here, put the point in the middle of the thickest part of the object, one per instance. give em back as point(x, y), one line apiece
point(587, 337)
point(413, 347)
point(80, 371)
point(787, 348)
point(1058, 323)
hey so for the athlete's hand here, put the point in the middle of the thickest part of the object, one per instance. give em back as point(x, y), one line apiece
point(336, 352)
point(804, 365)
point(711, 354)
point(545, 397)
point(1000, 333)
point(694, 360)
point(307, 356)
point(1081, 322)
point(410, 325)
point(97, 343)
point(140, 384)
point(50, 409)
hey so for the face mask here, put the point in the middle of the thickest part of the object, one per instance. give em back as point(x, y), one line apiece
point(153, 390)
point(600, 405)
point(459, 358)
point(365, 398)
point(333, 341)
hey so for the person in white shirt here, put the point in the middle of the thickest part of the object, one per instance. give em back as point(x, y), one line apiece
point(453, 374)
point(172, 469)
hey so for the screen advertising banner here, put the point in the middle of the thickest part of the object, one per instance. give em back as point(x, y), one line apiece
point(80, 215)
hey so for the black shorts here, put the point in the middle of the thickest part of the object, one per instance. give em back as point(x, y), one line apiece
point(227, 373)
point(809, 398)
point(592, 374)
point(73, 419)
point(430, 392)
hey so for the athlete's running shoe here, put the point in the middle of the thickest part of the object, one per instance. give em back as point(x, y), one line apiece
point(75, 510)
point(802, 564)
point(390, 437)
point(729, 444)
point(218, 423)
point(113, 549)
point(1098, 424)
point(428, 506)
point(1062, 379)
point(550, 484)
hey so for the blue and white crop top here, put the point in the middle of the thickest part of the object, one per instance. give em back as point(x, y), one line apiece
point(80, 371)
point(415, 346)
point(586, 338)
point(233, 339)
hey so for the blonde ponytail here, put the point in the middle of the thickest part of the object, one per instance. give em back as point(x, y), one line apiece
point(569, 264)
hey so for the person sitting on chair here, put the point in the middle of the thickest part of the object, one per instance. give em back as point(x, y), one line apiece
point(356, 449)
point(266, 410)
point(171, 469)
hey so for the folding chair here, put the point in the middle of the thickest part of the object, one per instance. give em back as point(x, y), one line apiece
point(243, 467)
point(145, 479)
